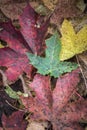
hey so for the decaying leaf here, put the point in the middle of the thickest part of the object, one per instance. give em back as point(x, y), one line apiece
point(81, 5)
point(51, 4)
point(8, 7)
point(72, 43)
point(51, 64)
point(28, 39)
point(65, 9)
point(71, 115)
point(33, 29)
point(35, 126)
point(54, 105)
point(16, 63)
point(14, 121)
point(5, 100)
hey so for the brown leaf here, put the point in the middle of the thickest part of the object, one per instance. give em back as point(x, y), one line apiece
point(65, 9)
point(7, 7)
point(50, 4)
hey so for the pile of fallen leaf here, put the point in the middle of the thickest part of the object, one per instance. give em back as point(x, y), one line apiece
point(43, 65)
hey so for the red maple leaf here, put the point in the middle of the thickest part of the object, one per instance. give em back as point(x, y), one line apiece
point(54, 105)
point(29, 38)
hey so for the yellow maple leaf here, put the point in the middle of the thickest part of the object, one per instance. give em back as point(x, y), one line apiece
point(72, 43)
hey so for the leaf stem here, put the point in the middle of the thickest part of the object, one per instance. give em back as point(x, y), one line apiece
point(4, 78)
point(26, 90)
point(81, 72)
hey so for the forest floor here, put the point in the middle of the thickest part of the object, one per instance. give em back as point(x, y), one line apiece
point(59, 9)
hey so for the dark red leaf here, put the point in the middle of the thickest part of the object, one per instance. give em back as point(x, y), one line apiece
point(29, 39)
point(33, 28)
point(13, 37)
point(16, 63)
point(14, 122)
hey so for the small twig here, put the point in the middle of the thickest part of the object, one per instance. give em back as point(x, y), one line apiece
point(81, 71)
point(13, 106)
point(4, 78)
point(79, 95)
point(26, 90)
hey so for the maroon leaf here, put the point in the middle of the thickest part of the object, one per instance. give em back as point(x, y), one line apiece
point(28, 40)
point(16, 63)
point(13, 37)
point(33, 29)
point(14, 122)
point(52, 105)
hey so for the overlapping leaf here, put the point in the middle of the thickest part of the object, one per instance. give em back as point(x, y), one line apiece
point(65, 9)
point(14, 121)
point(72, 43)
point(52, 105)
point(16, 63)
point(28, 39)
point(51, 64)
point(33, 29)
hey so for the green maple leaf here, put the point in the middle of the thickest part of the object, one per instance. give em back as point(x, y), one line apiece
point(51, 64)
